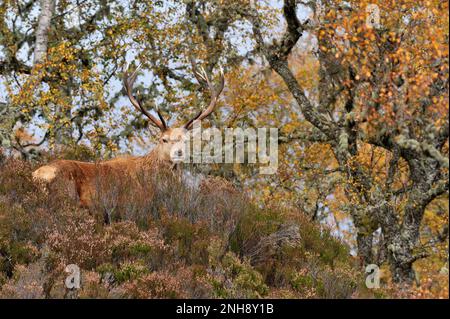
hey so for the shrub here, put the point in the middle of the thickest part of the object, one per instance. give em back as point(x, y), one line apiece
point(165, 236)
point(155, 285)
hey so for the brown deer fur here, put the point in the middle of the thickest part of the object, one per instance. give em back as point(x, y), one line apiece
point(81, 177)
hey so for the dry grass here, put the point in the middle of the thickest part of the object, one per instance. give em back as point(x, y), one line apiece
point(161, 236)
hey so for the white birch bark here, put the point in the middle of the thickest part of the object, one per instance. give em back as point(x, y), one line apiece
point(40, 48)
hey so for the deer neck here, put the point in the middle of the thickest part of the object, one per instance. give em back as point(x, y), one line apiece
point(153, 158)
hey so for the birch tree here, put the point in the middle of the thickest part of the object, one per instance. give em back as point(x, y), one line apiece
point(42, 30)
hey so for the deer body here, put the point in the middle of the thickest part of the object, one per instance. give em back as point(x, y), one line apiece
point(81, 177)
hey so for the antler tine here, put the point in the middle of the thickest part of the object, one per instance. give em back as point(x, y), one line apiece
point(161, 117)
point(214, 95)
point(203, 74)
point(128, 84)
point(199, 72)
point(134, 75)
point(189, 123)
point(222, 79)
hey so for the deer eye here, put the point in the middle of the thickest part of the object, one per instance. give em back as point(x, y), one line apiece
point(165, 140)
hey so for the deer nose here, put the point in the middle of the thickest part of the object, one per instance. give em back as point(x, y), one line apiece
point(179, 152)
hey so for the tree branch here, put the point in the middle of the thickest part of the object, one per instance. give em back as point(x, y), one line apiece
point(276, 55)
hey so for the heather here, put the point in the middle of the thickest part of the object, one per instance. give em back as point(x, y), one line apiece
point(163, 236)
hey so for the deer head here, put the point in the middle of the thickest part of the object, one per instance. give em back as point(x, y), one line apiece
point(170, 147)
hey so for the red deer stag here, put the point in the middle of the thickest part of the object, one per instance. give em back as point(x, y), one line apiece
point(83, 175)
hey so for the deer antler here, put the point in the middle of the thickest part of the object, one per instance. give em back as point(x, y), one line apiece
point(128, 82)
point(202, 76)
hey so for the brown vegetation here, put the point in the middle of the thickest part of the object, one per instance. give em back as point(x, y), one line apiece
point(169, 239)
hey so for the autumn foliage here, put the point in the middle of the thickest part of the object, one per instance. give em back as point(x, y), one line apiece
point(357, 89)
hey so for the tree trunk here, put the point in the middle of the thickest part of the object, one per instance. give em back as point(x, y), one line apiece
point(401, 260)
point(402, 240)
point(40, 47)
point(402, 273)
point(364, 242)
point(374, 206)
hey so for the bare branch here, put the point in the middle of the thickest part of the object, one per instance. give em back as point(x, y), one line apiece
point(277, 55)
